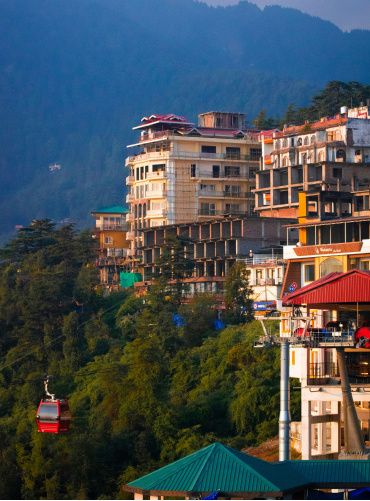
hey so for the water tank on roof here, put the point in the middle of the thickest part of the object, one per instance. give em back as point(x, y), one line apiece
point(343, 109)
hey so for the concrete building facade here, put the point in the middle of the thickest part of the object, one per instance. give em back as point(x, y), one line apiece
point(330, 155)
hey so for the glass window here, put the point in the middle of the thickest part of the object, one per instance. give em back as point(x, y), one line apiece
point(192, 170)
point(259, 274)
point(365, 265)
point(309, 273)
point(208, 149)
point(329, 266)
point(48, 413)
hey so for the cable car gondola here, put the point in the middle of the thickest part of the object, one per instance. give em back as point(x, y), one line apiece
point(53, 415)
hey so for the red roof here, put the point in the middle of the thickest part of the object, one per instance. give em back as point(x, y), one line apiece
point(332, 122)
point(350, 287)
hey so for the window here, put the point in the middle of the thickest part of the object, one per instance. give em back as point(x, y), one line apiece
point(329, 265)
point(193, 170)
point(146, 170)
point(137, 174)
point(137, 192)
point(209, 149)
point(216, 171)
point(141, 172)
point(144, 210)
point(232, 152)
point(305, 142)
point(337, 173)
point(321, 156)
point(159, 168)
point(284, 197)
point(232, 190)
point(332, 135)
point(277, 144)
point(232, 208)
point(255, 153)
point(108, 240)
point(285, 143)
point(139, 214)
point(365, 265)
point(259, 274)
point(293, 357)
point(231, 171)
point(341, 155)
point(135, 211)
point(285, 161)
point(313, 139)
point(299, 142)
point(292, 141)
point(271, 272)
point(208, 187)
point(218, 122)
point(304, 158)
point(207, 209)
point(309, 273)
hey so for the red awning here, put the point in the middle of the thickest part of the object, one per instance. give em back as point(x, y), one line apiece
point(350, 287)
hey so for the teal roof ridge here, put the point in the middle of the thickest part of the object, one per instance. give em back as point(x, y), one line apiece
point(112, 209)
point(213, 450)
point(243, 462)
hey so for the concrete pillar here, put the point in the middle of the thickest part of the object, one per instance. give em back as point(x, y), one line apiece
point(306, 428)
point(284, 417)
point(321, 437)
point(138, 496)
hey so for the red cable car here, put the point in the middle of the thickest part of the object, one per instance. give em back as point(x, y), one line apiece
point(53, 415)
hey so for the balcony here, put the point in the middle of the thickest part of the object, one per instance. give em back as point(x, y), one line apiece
point(156, 175)
point(266, 281)
point(156, 213)
point(225, 213)
point(266, 261)
point(130, 235)
point(156, 194)
point(221, 175)
point(130, 218)
point(130, 180)
point(112, 226)
point(165, 134)
point(225, 194)
point(130, 197)
point(155, 155)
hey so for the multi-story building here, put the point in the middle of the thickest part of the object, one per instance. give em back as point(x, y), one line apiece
point(183, 173)
point(214, 245)
point(330, 155)
point(333, 237)
point(110, 231)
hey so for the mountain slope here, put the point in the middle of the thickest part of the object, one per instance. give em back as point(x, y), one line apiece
point(77, 75)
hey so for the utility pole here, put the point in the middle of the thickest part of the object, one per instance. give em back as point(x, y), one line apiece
point(284, 417)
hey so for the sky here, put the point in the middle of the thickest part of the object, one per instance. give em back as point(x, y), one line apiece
point(346, 14)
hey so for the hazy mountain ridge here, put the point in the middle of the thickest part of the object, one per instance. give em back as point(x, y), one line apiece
point(77, 75)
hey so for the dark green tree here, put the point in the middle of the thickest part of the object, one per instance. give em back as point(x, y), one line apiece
point(238, 294)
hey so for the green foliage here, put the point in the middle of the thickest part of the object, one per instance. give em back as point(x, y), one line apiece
point(143, 391)
point(238, 294)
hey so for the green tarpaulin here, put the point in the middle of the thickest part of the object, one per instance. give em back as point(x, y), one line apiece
point(129, 279)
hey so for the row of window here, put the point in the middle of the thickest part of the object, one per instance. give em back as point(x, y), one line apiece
point(330, 265)
point(305, 141)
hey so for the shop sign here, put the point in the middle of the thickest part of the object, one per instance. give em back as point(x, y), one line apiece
point(312, 250)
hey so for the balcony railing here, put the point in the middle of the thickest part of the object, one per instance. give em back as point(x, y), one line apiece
point(192, 155)
point(130, 235)
point(156, 175)
point(130, 180)
point(226, 194)
point(267, 261)
point(165, 134)
point(156, 212)
point(225, 212)
point(130, 197)
point(112, 226)
point(156, 194)
point(130, 218)
point(222, 175)
point(266, 281)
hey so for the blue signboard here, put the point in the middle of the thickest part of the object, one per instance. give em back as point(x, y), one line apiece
point(291, 288)
point(262, 306)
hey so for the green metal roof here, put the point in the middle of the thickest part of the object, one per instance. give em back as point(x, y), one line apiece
point(334, 471)
point(218, 467)
point(116, 209)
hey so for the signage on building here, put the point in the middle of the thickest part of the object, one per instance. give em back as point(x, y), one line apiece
point(363, 114)
point(312, 250)
point(263, 306)
point(293, 287)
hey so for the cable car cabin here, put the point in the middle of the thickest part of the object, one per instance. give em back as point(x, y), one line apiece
point(54, 416)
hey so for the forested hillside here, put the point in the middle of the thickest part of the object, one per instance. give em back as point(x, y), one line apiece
point(143, 390)
point(77, 75)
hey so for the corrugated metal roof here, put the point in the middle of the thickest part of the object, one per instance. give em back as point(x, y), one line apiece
point(345, 471)
point(218, 467)
point(350, 287)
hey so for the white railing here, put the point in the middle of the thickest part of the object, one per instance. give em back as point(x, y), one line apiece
point(130, 180)
point(268, 261)
point(156, 194)
point(130, 218)
point(156, 175)
point(192, 155)
point(130, 235)
point(130, 197)
point(156, 212)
